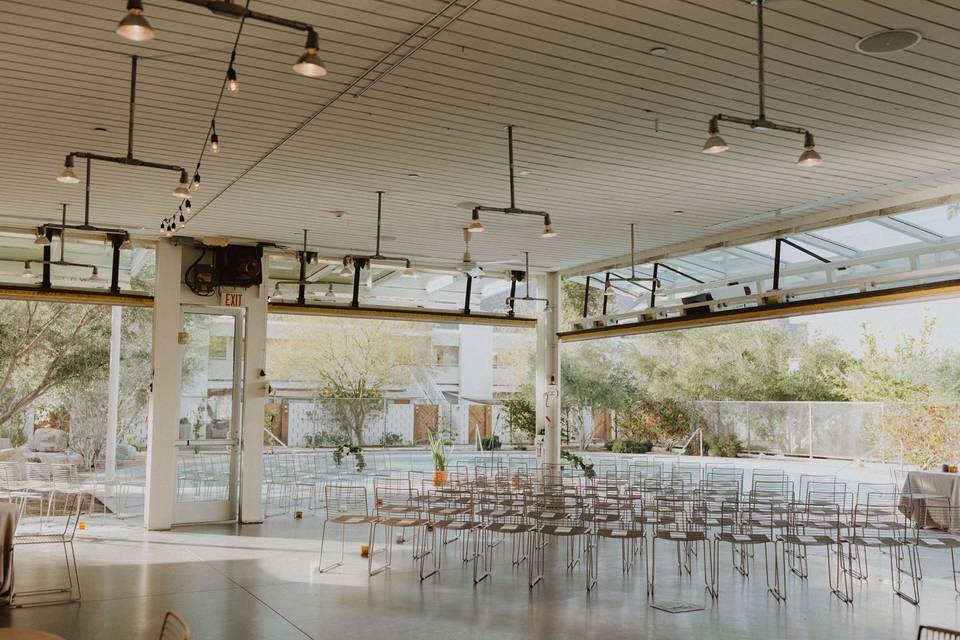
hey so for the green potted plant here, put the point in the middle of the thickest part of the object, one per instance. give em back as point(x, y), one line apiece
point(439, 454)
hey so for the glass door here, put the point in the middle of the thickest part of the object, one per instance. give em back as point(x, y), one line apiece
point(210, 410)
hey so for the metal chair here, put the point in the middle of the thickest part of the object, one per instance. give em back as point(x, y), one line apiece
point(939, 531)
point(879, 524)
point(64, 537)
point(812, 526)
point(679, 519)
point(557, 513)
point(397, 506)
point(346, 505)
point(614, 518)
point(449, 509)
point(503, 513)
point(926, 632)
point(174, 627)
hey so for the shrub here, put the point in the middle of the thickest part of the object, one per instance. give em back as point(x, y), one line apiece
point(724, 445)
point(662, 422)
point(391, 440)
point(491, 443)
point(631, 446)
point(928, 433)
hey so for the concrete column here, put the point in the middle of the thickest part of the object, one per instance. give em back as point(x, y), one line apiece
point(548, 369)
point(165, 394)
point(113, 399)
point(254, 404)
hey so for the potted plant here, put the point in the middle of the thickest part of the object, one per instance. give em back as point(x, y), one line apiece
point(439, 455)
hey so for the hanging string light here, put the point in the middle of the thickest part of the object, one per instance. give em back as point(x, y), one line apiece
point(214, 138)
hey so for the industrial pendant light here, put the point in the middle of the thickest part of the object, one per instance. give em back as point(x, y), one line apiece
point(347, 269)
point(633, 278)
point(41, 237)
point(809, 157)
point(310, 64)
point(67, 176)
point(134, 26)
point(715, 144)
point(94, 276)
point(183, 190)
point(548, 230)
point(27, 273)
point(475, 225)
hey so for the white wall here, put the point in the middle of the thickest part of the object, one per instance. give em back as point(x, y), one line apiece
point(476, 362)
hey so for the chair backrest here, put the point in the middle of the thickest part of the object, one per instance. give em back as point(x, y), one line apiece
point(38, 471)
point(10, 472)
point(926, 632)
point(346, 499)
point(69, 512)
point(64, 475)
point(174, 627)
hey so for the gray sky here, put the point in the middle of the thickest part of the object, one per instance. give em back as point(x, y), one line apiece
point(890, 323)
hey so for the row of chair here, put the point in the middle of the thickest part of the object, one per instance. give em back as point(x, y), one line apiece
point(699, 511)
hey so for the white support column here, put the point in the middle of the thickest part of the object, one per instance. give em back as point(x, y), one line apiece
point(113, 400)
point(254, 405)
point(548, 370)
point(165, 396)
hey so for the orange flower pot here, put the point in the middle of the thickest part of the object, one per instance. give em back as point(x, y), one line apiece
point(440, 477)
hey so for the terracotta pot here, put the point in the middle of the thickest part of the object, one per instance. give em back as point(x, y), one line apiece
point(440, 477)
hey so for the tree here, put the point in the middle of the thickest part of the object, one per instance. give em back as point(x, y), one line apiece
point(352, 361)
point(757, 361)
point(592, 377)
point(45, 346)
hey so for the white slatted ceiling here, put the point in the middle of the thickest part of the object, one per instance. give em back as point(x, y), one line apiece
point(574, 76)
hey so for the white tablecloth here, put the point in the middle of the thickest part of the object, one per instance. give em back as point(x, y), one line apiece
point(934, 489)
point(8, 526)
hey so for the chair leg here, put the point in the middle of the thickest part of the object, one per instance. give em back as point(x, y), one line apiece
point(343, 541)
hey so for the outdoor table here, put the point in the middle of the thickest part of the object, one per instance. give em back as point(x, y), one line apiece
point(8, 526)
point(929, 488)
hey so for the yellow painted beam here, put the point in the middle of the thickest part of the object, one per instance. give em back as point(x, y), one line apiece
point(414, 315)
point(76, 297)
point(900, 295)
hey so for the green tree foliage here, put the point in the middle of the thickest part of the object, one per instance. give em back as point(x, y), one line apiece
point(758, 361)
point(353, 362)
point(909, 373)
point(46, 346)
point(592, 377)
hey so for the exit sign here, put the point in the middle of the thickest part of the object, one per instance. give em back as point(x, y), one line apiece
point(231, 299)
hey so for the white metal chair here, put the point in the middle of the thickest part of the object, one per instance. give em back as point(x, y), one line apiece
point(64, 536)
point(346, 505)
point(174, 627)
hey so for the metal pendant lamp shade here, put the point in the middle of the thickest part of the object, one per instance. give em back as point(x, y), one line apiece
point(134, 26)
point(310, 64)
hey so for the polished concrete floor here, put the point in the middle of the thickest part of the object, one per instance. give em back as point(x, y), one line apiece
point(260, 581)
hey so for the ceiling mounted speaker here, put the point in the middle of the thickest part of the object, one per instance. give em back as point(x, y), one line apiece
point(890, 41)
